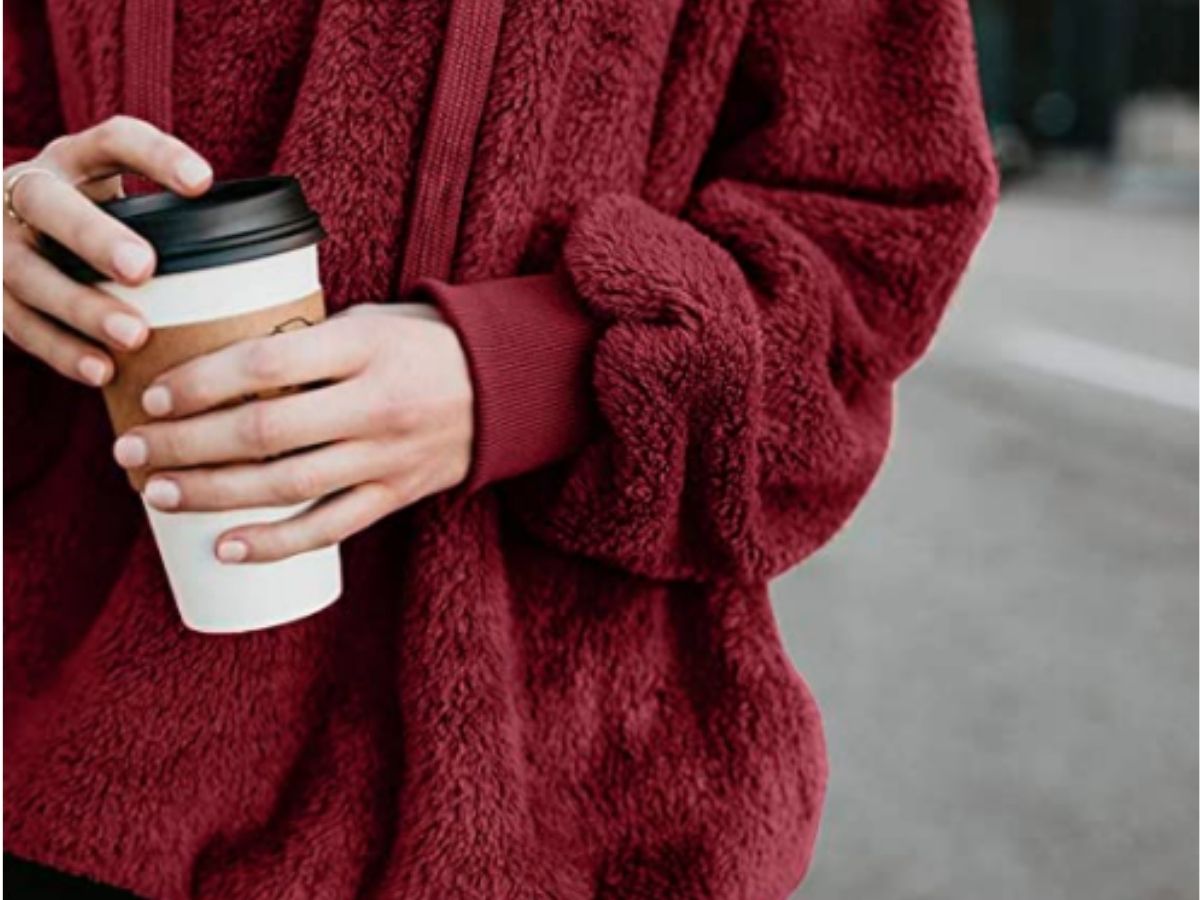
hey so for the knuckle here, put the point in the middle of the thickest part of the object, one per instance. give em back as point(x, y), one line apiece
point(166, 445)
point(185, 383)
point(270, 543)
point(28, 198)
point(259, 429)
point(73, 308)
point(207, 491)
point(393, 410)
point(325, 532)
point(302, 482)
point(212, 492)
point(116, 131)
point(262, 361)
point(17, 260)
point(82, 309)
point(249, 428)
point(53, 150)
point(108, 135)
point(13, 311)
point(187, 392)
point(15, 331)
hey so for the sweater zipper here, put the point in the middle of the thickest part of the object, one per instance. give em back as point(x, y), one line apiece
point(464, 72)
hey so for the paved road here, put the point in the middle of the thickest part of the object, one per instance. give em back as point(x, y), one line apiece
point(1004, 639)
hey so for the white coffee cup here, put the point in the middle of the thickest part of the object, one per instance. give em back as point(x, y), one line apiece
point(215, 596)
point(204, 301)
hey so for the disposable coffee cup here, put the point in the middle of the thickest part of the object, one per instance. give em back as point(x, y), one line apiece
point(237, 263)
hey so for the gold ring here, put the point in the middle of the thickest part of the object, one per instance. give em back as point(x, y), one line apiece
point(10, 184)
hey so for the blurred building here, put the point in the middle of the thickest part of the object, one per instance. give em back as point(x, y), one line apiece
point(1059, 74)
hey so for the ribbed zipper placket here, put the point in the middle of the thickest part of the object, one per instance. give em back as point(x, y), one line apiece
point(464, 73)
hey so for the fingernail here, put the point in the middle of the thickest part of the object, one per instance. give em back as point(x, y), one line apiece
point(93, 370)
point(132, 260)
point(193, 172)
point(125, 329)
point(156, 400)
point(130, 451)
point(162, 493)
point(232, 551)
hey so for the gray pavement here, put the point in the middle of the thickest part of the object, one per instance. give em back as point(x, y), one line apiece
point(1004, 640)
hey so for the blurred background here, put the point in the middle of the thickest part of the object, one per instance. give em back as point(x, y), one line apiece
point(1004, 639)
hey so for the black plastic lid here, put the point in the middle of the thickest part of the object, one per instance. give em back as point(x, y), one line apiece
point(231, 222)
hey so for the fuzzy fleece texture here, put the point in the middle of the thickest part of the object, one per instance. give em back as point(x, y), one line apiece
point(699, 242)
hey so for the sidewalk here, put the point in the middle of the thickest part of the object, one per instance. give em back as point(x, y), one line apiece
point(1003, 641)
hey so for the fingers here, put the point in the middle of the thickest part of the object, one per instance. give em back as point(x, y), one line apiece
point(58, 208)
point(326, 523)
point(252, 431)
point(93, 313)
point(64, 352)
point(282, 482)
point(43, 308)
point(327, 351)
point(54, 207)
point(124, 144)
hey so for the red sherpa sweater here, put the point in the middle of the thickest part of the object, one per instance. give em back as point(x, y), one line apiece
point(690, 245)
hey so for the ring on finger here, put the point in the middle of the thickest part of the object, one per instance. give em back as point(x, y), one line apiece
point(10, 185)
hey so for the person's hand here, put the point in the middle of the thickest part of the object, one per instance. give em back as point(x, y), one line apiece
point(54, 318)
point(393, 425)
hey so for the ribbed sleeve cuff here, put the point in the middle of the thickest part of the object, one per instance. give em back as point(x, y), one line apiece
point(529, 344)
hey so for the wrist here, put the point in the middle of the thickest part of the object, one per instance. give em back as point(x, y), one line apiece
point(528, 346)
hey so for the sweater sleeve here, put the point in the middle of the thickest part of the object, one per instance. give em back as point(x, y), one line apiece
point(742, 354)
point(527, 341)
point(32, 118)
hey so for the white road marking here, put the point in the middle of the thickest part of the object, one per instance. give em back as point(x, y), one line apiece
point(1103, 366)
